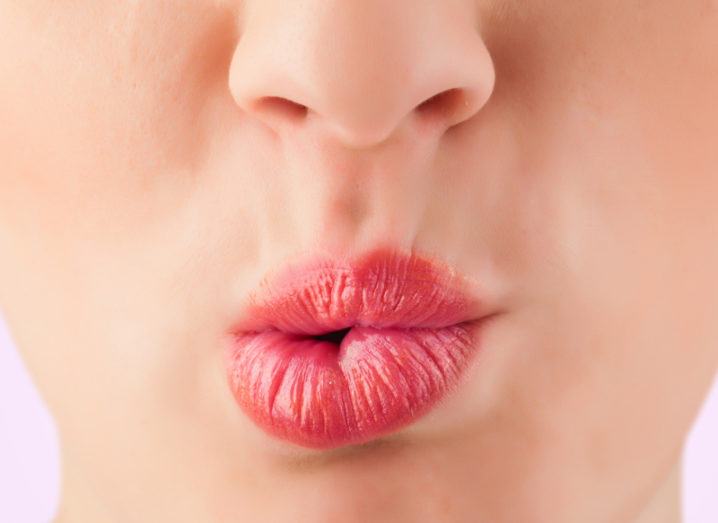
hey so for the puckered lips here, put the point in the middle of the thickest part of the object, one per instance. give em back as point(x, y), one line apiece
point(330, 353)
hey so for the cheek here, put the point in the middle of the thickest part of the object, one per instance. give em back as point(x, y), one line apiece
point(101, 133)
point(105, 112)
point(613, 341)
point(601, 366)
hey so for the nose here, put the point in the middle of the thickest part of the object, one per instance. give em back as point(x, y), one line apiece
point(361, 70)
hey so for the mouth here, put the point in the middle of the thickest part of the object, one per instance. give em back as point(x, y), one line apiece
point(332, 353)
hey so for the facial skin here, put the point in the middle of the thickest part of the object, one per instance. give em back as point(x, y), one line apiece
point(149, 182)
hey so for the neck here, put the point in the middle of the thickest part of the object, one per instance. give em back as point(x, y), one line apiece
point(665, 504)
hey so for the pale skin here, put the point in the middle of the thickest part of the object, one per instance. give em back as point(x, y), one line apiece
point(149, 181)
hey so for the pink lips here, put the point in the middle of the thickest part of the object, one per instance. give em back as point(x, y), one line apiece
point(337, 353)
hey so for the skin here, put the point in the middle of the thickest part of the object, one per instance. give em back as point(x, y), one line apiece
point(147, 185)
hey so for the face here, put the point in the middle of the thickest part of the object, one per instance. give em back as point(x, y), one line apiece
point(161, 158)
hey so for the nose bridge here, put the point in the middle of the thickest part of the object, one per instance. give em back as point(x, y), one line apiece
point(359, 69)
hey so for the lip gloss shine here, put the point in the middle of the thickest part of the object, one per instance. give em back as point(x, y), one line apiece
point(333, 353)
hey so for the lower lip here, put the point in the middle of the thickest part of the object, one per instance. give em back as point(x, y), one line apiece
point(320, 394)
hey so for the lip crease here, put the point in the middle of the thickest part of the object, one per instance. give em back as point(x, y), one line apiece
point(332, 352)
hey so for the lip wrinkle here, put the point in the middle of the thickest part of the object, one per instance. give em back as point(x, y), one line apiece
point(276, 383)
point(431, 381)
point(345, 351)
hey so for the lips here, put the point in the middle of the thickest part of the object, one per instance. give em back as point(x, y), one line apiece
point(333, 352)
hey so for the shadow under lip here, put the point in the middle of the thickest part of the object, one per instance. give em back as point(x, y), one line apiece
point(305, 460)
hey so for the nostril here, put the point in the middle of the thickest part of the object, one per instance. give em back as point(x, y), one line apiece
point(281, 107)
point(333, 337)
point(442, 106)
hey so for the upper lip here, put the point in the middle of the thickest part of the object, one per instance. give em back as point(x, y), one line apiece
point(383, 288)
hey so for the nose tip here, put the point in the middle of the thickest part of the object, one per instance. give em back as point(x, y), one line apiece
point(429, 74)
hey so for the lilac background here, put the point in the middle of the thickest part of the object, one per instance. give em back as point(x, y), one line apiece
point(29, 460)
